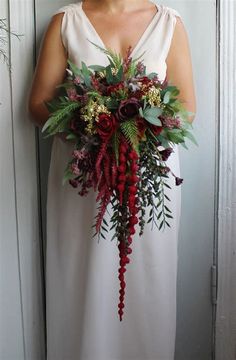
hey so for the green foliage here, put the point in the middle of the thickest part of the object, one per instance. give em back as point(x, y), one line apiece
point(74, 68)
point(151, 188)
point(114, 58)
point(130, 130)
point(59, 118)
point(115, 145)
point(151, 115)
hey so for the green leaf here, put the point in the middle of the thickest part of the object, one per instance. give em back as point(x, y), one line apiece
point(161, 224)
point(168, 224)
point(97, 67)
point(62, 114)
point(167, 197)
point(190, 136)
point(151, 212)
point(152, 75)
point(184, 145)
point(151, 115)
point(71, 136)
point(109, 76)
point(105, 222)
point(74, 68)
point(130, 130)
point(67, 175)
point(167, 185)
point(115, 144)
point(166, 98)
point(169, 216)
point(167, 209)
point(86, 74)
point(141, 112)
point(119, 75)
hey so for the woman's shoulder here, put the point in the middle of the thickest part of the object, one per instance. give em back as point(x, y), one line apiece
point(168, 10)
point(67, 8)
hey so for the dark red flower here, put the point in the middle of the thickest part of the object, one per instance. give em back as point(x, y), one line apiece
point(128, 108)
point(178, 180)
point(114, 88)
point(106, 125)
point(142, 125)
point(166, 153)
point(156, 129)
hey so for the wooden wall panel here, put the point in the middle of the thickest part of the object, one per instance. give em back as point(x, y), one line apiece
point(21, 300)
point(226, 308)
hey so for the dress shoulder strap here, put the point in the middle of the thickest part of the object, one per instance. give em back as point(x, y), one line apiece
point(65, 9)
point(68, 10)
point(172, 11)
point(167, 27)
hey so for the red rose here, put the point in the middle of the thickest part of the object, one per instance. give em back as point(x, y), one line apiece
point(106, 125)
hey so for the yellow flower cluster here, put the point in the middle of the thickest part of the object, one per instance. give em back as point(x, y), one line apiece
point(114, 71)
point(154, 96)
point(102, 74)
point(90, 114)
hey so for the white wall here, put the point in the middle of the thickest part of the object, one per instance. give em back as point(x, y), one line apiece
point(226, 310)
point(198, 166)
point(21, 304)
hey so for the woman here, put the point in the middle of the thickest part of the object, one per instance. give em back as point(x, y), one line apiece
point(81, 274)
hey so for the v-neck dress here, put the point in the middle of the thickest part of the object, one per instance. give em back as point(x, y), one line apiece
point(82, 285)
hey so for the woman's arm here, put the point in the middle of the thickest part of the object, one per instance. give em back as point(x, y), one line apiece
point(50, 71)
point(179, 67)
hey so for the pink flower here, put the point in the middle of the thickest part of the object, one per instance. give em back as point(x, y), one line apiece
point(74, 168)
point(79, 154)
point(72, 94)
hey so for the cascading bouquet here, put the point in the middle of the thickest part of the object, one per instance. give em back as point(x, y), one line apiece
point(123, 123)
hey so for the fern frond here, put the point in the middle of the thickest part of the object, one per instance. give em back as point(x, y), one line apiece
point(130, 130)
point(63, 113)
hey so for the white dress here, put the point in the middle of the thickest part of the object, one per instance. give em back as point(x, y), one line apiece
point(82, 285)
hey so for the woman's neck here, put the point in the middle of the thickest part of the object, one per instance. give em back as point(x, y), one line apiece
point(116, 6)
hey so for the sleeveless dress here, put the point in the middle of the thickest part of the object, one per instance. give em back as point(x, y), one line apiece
point(82, 285)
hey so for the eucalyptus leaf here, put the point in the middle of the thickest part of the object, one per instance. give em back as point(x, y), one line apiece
point(109, 76)
point(191, 137)
point(86, 74)
point(166, 98)
point(76, 71)
point(151, 115)
point(96, 67)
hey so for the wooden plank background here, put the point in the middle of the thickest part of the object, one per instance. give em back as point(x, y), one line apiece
point(21, 300)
